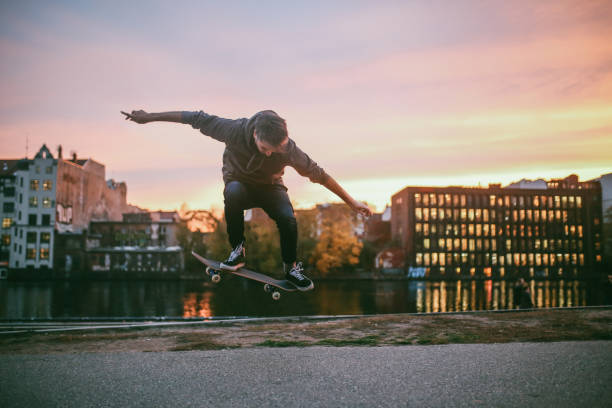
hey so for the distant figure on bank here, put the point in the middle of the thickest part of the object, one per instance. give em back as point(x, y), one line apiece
point(256, 152)
point(522, 295)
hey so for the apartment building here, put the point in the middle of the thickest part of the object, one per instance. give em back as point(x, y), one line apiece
point(46, 196)
point(555, 231)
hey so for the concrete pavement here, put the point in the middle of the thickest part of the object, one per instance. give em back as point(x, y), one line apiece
point(564, 374)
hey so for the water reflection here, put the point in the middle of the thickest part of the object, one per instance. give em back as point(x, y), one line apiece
point(239, 297)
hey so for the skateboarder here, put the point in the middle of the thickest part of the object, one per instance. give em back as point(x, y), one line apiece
point(256, 153)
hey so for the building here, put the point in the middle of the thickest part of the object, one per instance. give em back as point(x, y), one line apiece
point(46, 196)
point(8, 208)
point(142, 244)
point(500, 232)
point(606, 209)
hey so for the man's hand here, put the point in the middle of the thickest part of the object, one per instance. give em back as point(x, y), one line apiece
point(361, 208)
point(138, 116)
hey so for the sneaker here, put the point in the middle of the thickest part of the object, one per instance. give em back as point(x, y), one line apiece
point(295, 277)
point(236, 260)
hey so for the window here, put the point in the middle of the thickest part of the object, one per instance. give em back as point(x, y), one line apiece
point(8, 207)
point(441, 243)
point(32, 219)
point(6, 240)
point(45, 237)
point(417, 198)
point(31, 237)
point(46, 219)
point(34, 202)
point(46, 202)
point(49, 170)
point(31, 253)
point(7, 222)
point(44, 253)
point(48, 185)
point(419, 258)
point(34, 185)
point(9, 191)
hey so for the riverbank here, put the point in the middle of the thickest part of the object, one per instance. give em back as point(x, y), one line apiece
point(407, 329)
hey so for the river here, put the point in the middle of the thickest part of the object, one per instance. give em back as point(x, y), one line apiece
point(235, 296)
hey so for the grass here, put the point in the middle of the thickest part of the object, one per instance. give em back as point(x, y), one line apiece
point(361, 341)
point(282, 343)
point(535, 326)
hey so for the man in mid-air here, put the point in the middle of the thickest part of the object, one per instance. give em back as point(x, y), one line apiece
point(256, 153)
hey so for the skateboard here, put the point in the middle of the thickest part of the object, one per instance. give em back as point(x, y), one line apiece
point(213, 269)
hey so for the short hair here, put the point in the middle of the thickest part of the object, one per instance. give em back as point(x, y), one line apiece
point(270, 127)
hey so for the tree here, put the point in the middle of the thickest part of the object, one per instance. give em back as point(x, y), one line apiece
point(338, 245)
point(307, 234)
point(194, 226)
point(190, 241)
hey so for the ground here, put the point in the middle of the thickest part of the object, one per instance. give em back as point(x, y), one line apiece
point(481, 327)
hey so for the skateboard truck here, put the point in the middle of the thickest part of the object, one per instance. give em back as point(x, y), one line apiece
point(215, 276)
point(270, 289)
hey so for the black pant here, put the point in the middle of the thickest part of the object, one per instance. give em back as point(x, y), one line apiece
point(274, 200)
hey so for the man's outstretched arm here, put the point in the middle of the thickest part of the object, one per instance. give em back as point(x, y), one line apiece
point(141, 116)
point(333, 186)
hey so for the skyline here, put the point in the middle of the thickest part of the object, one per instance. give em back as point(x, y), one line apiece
point(380, 95)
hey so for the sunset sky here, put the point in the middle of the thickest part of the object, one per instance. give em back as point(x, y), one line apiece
point(382, 94)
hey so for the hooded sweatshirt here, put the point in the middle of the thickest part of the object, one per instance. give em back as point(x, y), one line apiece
point(242, 161)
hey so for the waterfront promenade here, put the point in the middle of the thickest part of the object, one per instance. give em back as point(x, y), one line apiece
point(560, 374)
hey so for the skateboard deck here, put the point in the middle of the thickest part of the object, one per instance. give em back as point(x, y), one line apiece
point(213, 269)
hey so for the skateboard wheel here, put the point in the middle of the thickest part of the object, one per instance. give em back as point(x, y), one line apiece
point(215, 277)
point(208, 270)
point(276, 295)
point(267, 288)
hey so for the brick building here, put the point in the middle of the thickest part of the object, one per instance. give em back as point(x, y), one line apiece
point(500, 232)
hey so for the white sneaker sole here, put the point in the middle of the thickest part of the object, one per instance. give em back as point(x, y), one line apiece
point(303, 289)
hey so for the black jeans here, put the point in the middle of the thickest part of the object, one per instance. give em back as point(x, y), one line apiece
point(274, 200)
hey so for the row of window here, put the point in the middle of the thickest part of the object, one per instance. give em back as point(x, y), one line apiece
point(32, 253)
point(493, 259)
point(494, 230)
point(494, 245)
point(46, 202)
point(486, 215)
point(32, 237)
point(43, 253)
point(47, 185)
point(45, 220)
point(48, 169)
point(9, 207)
point(506, 200)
